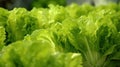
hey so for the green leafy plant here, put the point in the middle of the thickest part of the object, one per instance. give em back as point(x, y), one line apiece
point(57, 36)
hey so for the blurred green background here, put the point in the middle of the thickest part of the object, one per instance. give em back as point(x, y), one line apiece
point(29, 4)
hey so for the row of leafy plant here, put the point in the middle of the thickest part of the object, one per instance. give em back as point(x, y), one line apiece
point(71, 36)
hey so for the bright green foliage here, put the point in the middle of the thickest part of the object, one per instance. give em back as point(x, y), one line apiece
point(75, 11)
point(2, 37)
point(49, 37)
point(97, 39)
point(37, 50)
point(96, 36)
point(19, 24)
point(3, 16)
point(15, 24)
